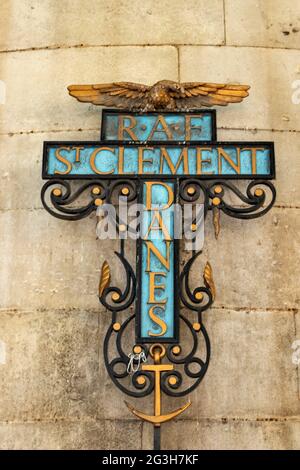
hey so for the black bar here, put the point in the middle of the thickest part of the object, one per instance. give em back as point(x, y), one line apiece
point(193, 458)
point(156, 438)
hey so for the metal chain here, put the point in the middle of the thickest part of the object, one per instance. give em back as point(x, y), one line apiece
point(141, 357)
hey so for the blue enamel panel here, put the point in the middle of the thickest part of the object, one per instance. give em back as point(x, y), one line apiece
point(149, 328)
point(172, 127)
point(117, 160)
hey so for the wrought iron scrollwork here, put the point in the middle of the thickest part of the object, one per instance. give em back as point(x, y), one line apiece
point(181, 386)
point(132, 386)
point(254, 201)
point(113, 298)
point(123, 187)
point(62, 198)
point(193, 300)
point(120, 301)
point(192, 190)
point(175, 383)
point(127, 190)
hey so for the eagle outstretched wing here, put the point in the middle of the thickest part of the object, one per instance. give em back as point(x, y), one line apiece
point(164, 94)
point(119, 95)
point(196, 94)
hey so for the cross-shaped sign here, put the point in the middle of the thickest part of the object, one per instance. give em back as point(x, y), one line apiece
point(159, 159)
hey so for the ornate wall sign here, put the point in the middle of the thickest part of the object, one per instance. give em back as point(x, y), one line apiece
point(160, 158)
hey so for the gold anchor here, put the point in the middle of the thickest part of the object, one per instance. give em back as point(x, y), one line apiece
point(157, 352)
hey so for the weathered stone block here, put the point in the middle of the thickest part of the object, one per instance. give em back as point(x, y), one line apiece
point(59, 435)
point(34, 24)
point(287, 163)
point(254, 262)
point(263, 23)
point(251, 372)
point(67, 265)
point(57, 249)
point(269, 72)
point(21, 166)
point(52, 365)
point(224, 434)
point(43, 77)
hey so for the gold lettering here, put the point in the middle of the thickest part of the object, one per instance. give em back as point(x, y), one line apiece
point(77, 155)
point(165, 128)
point(93, 157)
point(151, 248)
point(158, 321)
point(223, 154)
point(253, 157)
point(141, 159)
point(182, 157)
point(161, 226)
point(122, 128)
point(153, 287)
point(121, 161)
point(63, 160)
point(200, 161)
point(189, 126)
point(149, 185)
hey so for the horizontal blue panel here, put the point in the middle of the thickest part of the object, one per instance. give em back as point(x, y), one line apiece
point(176, 127)
point(157, 277)
point(235, 159)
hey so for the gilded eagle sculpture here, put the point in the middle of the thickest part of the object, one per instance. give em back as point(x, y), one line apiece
point(163, 95)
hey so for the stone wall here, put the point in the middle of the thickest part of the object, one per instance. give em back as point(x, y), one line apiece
point(55, 392)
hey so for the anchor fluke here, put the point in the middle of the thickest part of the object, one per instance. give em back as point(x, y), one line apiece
point(157, 419)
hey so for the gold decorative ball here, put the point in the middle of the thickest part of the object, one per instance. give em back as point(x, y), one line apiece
point(115, 296)
point(96, 190)
point(218, 189)
point(137, 349)
point(176, 350)
point(172, 380)
point(259, 192)
point(116, 326)
point(191, 190)
point(199, 296)
point(196, 326)
point(125, 191)
point(216, 201)
point(141, 380)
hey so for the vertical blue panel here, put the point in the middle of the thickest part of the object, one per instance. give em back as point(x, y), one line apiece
point(150, 328)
